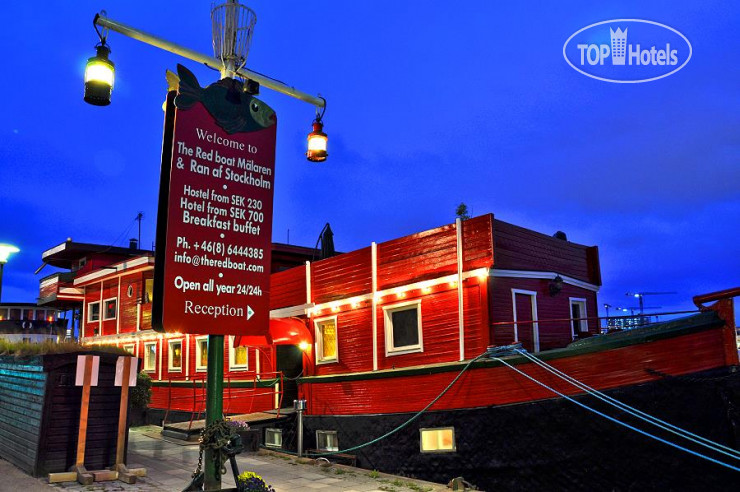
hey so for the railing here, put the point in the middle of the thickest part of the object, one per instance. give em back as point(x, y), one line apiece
point(197, 396)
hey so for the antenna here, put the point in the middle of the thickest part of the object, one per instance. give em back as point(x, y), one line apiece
point(138, 218)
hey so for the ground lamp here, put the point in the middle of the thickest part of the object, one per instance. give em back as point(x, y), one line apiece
point(232, 32)
point(5, 252)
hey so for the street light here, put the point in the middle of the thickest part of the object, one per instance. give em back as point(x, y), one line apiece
point(5, 252)
point(317, 139)
point(99, 73)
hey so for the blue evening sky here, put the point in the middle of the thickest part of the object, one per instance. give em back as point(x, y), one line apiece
point(429, 104)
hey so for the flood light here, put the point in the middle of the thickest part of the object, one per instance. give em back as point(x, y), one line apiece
point(99, 76)
point(5, 251)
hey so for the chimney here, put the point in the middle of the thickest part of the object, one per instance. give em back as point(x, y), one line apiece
point(133, 243)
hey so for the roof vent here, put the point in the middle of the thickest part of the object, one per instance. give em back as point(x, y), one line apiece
point(133, 243)
point(560, 235)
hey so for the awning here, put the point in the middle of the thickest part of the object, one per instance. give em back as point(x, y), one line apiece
point(283, 331)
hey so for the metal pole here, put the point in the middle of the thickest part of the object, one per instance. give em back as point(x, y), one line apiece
point(214, 402)
point(2, 265)
point(209, 61)
point(300, 406)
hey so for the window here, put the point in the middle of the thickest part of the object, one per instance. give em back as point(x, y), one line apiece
point(201, 354)
point(150, 357)
point(110, 308)
point(578, 323)
point(148, 290)
point(130, 348)
point(273, 438)
point(327, 440)
point(93, 312)
point(237, 356)
point(174, 356)
point(403, 328)
point(439, 440)
point(326, 340)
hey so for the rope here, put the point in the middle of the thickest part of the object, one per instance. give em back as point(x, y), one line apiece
point(616, 421)
point(702, 441)
point(393, 431)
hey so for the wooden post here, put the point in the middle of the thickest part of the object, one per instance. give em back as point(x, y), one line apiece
point(125, 474)
point(83, 476)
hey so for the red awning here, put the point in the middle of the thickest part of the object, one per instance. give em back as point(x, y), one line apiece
point(283, 331)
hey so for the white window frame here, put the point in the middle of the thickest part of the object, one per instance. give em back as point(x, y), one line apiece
point(90, 311)
point(102, 308)
point(320, 340)
point(535, 324)
point(584, 314)
point(388, 311)
point(276, 432)
point(199, 366)
point(154, 357)
point(327, 433)
point(233, 366)
point(130, 348)
point(170, 343)
point(436, 451)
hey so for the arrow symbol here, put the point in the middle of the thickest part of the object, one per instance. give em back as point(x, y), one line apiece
point(250, 312)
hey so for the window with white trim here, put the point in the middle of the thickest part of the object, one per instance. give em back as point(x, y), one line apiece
point(130, 348)
point(438, 440)
point(327, 440)
point(110, 308)
point(273, 438)
point(578, 323)
point(174, 356)
point(150, 357)
point(327, 347)
point(201, 354)
point(93, 312)
point(403, 328)
point(237, 356)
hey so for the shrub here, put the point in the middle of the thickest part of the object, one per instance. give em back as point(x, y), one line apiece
point(141, 394)
point(251, 482)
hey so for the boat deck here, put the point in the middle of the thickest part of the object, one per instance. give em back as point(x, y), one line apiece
point(189, 431)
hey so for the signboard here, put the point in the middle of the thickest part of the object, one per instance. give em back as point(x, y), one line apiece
point(214, 224)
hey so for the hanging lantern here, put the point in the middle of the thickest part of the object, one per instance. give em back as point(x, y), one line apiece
point(99, 76)
point(317, 138)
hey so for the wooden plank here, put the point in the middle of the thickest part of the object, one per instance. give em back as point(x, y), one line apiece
point(85, 405)
point(62, 477)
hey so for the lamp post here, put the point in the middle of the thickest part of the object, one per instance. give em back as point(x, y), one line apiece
point(5, 251)
point(232, 32)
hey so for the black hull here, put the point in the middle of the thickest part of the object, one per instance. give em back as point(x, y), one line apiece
point(556, 445)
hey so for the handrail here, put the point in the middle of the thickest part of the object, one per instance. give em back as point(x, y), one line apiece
point(716, 296)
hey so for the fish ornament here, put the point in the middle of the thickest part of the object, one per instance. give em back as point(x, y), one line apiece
point(234, 110)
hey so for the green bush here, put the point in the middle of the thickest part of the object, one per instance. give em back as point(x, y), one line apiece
point(141, 394)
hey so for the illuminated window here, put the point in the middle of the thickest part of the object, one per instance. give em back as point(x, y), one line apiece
point(326, 340)
point(110, 310)
point(150, 357)
point(273, 438)
point(403, 328)
point(237, 356)
point(201, 354)
point(93, 312)
point(174, 356)
point(148, 290)
point(440, 440)
point(130, 348)
point(327, 440)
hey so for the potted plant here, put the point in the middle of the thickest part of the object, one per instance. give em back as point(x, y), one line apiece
point(250, 437)
point(251, 482)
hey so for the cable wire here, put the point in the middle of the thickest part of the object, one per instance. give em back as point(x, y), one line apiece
point(674, 429)
point(617, 421)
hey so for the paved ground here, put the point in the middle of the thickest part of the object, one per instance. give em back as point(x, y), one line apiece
point(169, 464)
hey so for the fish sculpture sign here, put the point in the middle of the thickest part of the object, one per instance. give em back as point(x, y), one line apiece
point(214, 224)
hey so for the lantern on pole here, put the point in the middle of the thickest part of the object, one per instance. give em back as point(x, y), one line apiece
point(317, 139)
point(99, 73)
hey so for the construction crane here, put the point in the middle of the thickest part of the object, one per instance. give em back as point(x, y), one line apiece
point(641, 295)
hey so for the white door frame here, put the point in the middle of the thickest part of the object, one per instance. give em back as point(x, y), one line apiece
point(535, 326)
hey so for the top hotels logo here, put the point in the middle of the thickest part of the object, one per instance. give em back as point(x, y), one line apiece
point(627, 51)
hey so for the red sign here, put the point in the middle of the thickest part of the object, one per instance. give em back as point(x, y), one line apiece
point(214, 229)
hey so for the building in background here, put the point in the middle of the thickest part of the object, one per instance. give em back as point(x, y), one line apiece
point(27, 322)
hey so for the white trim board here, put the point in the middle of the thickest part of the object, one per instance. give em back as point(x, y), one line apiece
point(543, 275)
